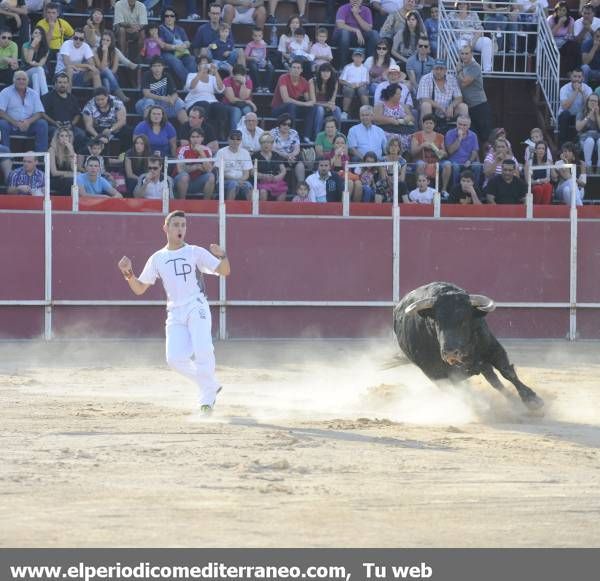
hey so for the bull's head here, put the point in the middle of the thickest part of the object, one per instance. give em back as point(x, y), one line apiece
point(453, 316)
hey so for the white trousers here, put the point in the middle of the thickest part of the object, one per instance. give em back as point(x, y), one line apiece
point(188, 331)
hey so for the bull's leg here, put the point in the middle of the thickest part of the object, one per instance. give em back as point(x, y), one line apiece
point(488, 372)
point(502, 364)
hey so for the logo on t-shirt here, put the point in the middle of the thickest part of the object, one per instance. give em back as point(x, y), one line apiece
point(181, 269)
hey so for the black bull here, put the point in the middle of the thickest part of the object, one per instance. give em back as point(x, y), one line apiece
point(442, 329)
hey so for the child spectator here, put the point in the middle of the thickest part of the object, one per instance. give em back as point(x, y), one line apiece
point(466, 191)
point(301, 193)
point(299, 46)
point(355, 81)
point(368, 177)
point(422, 194)
point(256, 59)
point(321, 51)
point(221, 49)
point(535, 136)
point(152, 43)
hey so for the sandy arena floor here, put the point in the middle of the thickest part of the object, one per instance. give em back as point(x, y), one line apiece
point(312, 445)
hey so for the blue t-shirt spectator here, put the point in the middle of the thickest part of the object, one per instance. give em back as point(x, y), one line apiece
point(158, 141)
point(465, 150)
point(586, 46)
point(99, 187)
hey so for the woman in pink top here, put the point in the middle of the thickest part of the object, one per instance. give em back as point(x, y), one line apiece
point(561, 25)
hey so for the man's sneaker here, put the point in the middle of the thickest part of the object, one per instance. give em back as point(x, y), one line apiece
point(206, 410)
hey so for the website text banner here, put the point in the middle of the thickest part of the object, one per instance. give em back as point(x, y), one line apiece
point(320, 564)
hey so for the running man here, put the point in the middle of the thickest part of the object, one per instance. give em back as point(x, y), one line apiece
point(188, 327)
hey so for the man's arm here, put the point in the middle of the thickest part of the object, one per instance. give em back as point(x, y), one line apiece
point(125, 266)
point(224, 268)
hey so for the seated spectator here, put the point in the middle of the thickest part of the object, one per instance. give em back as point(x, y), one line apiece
point(95, 148)
point(302, 193)
point(561, 25)
point(584, 27)
point(393, 116)
point(463, 152)
point(238, 95)
point(299, 48)
point(159, 131)
point(271, 171)
point(153, 43)
point(325, 86)
point(105, 117)
point(384, 188)
point(286, 38)
point(57, 29)
point(323, 185)
point(355, 82)
point(197, 120)
point(427, 149)
point(469, 32)
point(22, 113)
point(572, 103)
point(293, 96)
point(35, 56)
point(365, 136)
point(396, 21)
point(506, 188)
point(203, 88)
point(590, 56)
point(251, 132)
point(368, 179)
point(321, 51)
point(13, 17)
point(94, 28)
point(62, 109)
point(394, 76)
point(238, 12)
point(176, 46)
point(405, 42)
point(9, 56)
point(419, 64)
point(91, 183)
point(439, 95)
point(470, 81)
point(237, 167)
point(130, 19)
point(383, 8)
point(495, 18)
point(339, 157)
point(158, 88)
point(27, 179)
point(325, 139)
point(301, 10)
point(136, 161)
point(257, 59)
point(222, 48)
point(354, 25)
point(587, 125)
point(208, 33)
point(5, 163)
point(541, 186)
point(466, 191)
point(535, 136)
point(287, 145)
point(379, 64)
point(492, 164)
point(562, 176)
point(76, 59)
point(432, 28)
point(62, 158)
point(151, 185)
point(107, 62)
point(422, 194)
point(195, 178)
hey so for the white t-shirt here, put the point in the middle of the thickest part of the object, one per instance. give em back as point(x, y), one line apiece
point(317, 190)
point(178, 270)
point(77, 55)
point(354, 74)
point(236, 163)
point(578, 26)
point(203, 91)
point(425, 197)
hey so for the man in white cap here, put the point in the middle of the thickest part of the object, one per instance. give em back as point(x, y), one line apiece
point(394, 76)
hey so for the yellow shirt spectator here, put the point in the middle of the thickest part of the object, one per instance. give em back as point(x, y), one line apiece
point(62, 31)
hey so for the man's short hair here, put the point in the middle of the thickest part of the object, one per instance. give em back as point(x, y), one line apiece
point(101, 91)
point(61, 76)
point(92, 158)
point(52, 6)
point(509, 162)
point(238, 70)
point(467, 174)
point(157, 59)
point(199, 109)
point(297, 62)
point(174, 214)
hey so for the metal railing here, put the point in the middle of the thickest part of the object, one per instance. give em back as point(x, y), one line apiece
point(548, 67)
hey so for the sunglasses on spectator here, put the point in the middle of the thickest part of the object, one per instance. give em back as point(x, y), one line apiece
point(423, 46)
point(5, 37)
point(78, 38)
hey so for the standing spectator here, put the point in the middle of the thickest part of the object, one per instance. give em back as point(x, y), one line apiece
point(136, 161)
point(590, 56)
point(324, 140)
point(366, 137)
point(257, 59)
point(62, 109)
point(62, 156)
point(251, 133)
point(561, 25)
point(470, 81)
point(57, 29)
point(245, 12)
point(271, 171)
point(541, 186)
point(354, 24)
point(466, 191)
point(159, 131)
point(203, 88)
point(432, 28)
point(587, 125)
point(572, 102)
point(439, 94)
point(105, 117)
point(238, 95)
point(195, 178)
point(379, 64)
point(27, 179)
point(197, 120)
point(324, 186)
point(77, 60)
point(287, 145)
point(463, 151)
point(237, 167)
point(469, 32)
point(325, 87)
point(419, 64)
point(131, 17)
point(405, 42)
point(320, 50)
point(151, 185)
point(22, 113)
point(355, 82)
point(176, 46)
point(107, 62)
point(584, 27)
point(427, 149)
point(91, 183)
point(422, 194)
point(9, 56)
point(293, 96)
point(158, 88)
point(35, 56)
point(506, 188)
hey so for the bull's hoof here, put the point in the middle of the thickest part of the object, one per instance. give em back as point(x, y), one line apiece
point(534, 403)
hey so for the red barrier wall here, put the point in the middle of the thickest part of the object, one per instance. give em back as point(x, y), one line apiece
point(304, 258)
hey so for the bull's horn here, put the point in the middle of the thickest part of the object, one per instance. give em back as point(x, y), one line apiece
point(482, 302)
point(419, 306)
